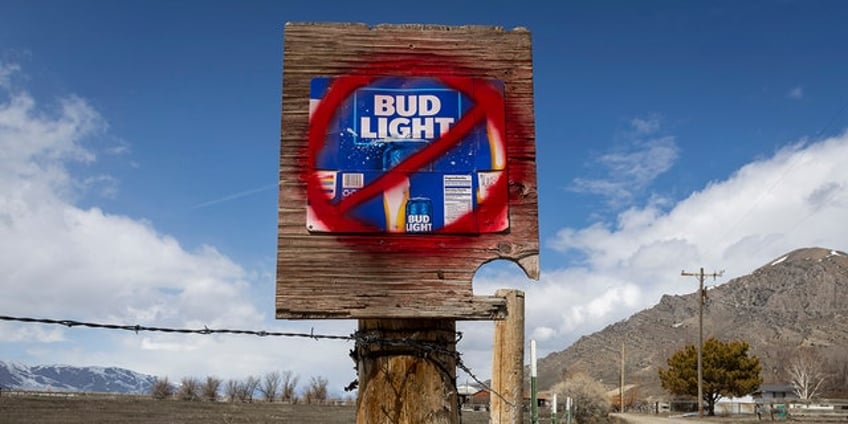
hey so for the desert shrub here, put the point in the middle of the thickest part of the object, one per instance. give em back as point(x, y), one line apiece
point(232, 389)
point(210, 389)
point(189, 389)
point(316, 392)
point(161, 389)
point(288, 387)
point(591, 405)
point(270, 385)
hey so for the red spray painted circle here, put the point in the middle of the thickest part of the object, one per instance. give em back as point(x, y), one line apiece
point(488, 107)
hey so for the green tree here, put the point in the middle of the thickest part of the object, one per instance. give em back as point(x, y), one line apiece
point(728, 371)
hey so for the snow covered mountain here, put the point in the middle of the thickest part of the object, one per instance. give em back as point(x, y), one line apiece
point(14, 375)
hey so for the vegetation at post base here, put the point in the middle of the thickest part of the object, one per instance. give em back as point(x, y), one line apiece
point(589, 397)
point(727, 371)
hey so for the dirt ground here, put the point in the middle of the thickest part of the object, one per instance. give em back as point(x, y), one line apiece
point(138, 410)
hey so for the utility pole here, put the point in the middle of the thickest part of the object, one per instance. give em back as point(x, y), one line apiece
point(702, 300)
point(621, 386)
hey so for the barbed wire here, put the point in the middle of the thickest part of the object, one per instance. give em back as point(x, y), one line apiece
point(421, 348)
point(202, 331)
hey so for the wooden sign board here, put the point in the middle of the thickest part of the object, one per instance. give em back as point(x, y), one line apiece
point(407, 161)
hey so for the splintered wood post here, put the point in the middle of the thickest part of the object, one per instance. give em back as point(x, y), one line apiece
point(508, 361)
point(407, 375)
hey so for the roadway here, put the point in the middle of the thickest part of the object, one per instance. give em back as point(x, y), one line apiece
point(654, 419)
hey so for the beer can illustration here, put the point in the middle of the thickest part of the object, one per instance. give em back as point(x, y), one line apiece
point(395, 199)
point(419, 215)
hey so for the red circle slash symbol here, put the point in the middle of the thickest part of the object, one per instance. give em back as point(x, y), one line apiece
point(488, 104)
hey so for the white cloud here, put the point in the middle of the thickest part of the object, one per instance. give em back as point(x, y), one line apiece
point(61, 261)
point(628, 170)
point(16, 333)
point(6, 72)
point(104, 185)
point(796, 93)
point(645, 126)
point(795, 198)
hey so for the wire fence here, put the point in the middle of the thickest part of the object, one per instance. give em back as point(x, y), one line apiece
point(422, 349)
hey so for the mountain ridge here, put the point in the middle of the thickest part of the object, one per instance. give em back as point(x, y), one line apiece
point(19, 376)
point(797, 299)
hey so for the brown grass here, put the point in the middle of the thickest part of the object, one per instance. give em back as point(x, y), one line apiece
point(39, 409)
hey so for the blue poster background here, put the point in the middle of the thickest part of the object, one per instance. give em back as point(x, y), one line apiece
point(383, 123)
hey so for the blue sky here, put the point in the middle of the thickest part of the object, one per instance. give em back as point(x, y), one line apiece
point(140, 149)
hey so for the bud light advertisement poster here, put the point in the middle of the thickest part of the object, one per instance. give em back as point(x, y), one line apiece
point(381, 124)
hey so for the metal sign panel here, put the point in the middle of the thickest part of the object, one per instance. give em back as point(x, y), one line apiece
point(370, 144)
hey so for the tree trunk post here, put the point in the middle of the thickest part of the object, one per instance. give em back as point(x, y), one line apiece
point(508, 362)
point(407, 371)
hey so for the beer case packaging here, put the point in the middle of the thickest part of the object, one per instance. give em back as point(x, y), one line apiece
point(383, 123)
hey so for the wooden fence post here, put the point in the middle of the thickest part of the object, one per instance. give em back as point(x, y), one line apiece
point(508, 362)
point(407, 375)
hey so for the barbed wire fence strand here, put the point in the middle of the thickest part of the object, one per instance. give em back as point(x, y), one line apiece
point(424, 347)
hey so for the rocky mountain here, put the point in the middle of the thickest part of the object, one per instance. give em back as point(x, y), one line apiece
point(798, 299)
point(14, 375)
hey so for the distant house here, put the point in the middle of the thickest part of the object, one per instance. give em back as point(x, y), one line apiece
point(543, 398)
point(465, 392)
point(771, 393)
point(474, 398)
point(478, 399)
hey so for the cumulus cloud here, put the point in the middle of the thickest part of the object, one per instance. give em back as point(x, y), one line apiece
point(59, 260)
point(628, 170)
point(62, 259)
point(793, 199)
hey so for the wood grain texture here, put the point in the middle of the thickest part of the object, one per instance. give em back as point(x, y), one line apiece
point(389, 275)
point(402, 384)
point(508, 362)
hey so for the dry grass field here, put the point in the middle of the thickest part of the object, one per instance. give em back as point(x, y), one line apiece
point(35, 409)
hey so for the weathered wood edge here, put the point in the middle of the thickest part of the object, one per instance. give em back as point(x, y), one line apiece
point(480, 308)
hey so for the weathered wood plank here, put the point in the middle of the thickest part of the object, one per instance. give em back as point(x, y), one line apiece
point(397, 275)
